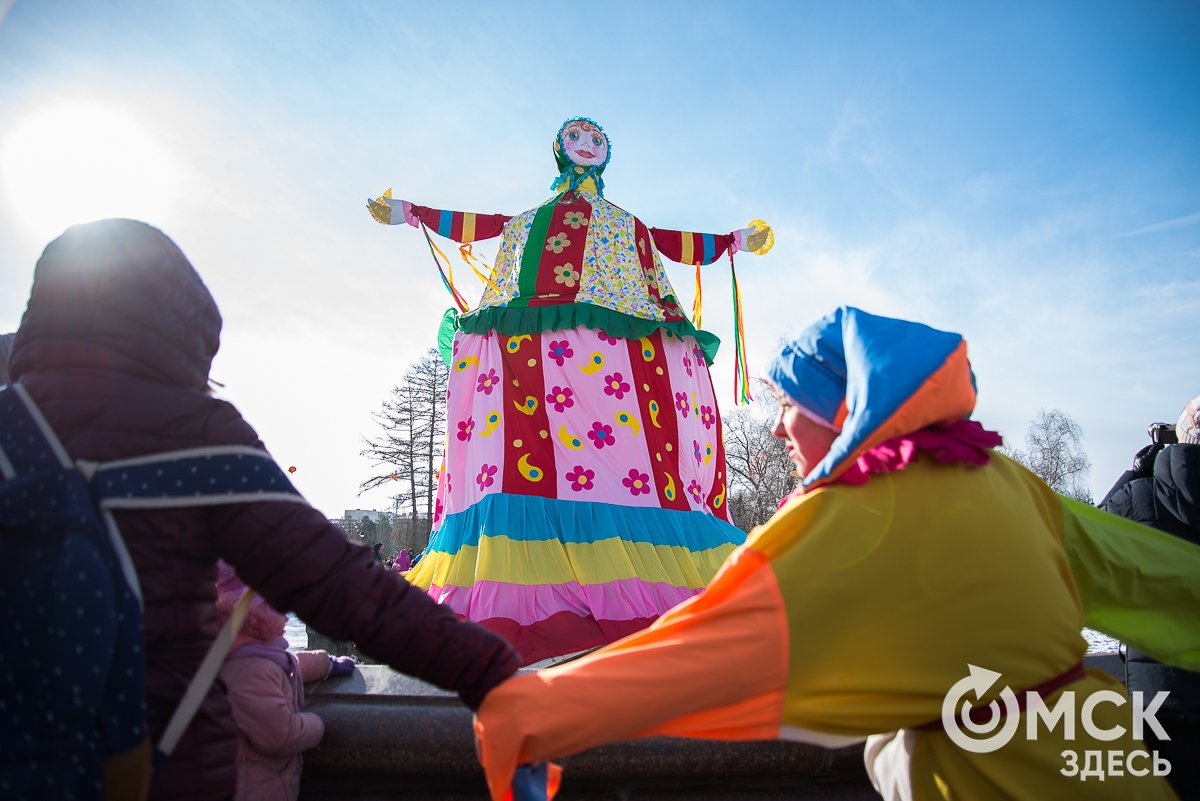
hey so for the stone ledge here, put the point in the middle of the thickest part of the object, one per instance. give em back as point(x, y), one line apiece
point(389, 734)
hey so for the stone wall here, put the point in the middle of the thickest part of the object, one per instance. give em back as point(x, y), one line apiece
point(391, 736)
point(319, 642)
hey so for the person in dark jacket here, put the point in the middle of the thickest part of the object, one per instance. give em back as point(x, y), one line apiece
point(115, 347)
point(1163, 490)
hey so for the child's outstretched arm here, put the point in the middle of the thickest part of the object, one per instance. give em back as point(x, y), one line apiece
point(298, 561)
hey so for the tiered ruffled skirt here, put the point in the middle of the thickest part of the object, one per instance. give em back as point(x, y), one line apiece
point(584, 490)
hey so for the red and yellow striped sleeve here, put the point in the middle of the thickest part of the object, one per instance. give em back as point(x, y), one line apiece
point(687, 247)
point(461, 226)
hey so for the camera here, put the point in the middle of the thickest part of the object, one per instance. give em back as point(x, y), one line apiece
point(1162, 434)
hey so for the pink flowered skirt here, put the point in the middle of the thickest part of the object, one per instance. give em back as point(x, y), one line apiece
point(583, 490)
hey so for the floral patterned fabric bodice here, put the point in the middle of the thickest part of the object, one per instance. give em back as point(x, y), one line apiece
point(587, 251)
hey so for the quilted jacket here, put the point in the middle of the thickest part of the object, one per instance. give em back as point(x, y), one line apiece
point(115, 347)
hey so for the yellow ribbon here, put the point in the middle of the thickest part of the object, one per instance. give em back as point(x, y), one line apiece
point(470, 258)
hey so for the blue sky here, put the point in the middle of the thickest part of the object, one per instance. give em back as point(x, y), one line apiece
point(1025, 174)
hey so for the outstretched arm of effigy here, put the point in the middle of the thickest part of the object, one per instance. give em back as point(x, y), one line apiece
point(461, 226)
point(687, 247)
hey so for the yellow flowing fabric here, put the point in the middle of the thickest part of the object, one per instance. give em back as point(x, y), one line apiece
point(853, 612)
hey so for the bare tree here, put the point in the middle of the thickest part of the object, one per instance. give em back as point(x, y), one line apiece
point(431, 379)
point(1054, 453)
point(760, 472)
point(413, 420)
point(398, 450)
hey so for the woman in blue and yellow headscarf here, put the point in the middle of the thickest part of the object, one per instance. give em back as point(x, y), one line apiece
point(913, 565)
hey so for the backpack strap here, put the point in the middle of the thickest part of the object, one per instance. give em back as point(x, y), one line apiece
point(223, 474)
point(27, 442)
point(206, 674)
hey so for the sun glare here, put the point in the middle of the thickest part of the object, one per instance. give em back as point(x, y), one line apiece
point(77, 162)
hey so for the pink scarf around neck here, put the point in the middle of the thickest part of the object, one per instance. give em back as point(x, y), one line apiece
point(961, 441)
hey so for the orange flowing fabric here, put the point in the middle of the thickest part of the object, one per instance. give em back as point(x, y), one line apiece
point(696, 649)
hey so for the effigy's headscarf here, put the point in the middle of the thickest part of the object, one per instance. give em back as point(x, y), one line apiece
point(566, 168)
point(872, 378)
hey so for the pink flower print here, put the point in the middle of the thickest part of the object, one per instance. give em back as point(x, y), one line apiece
point(561, 398)
point(465, 429)
point(601, 435)
point(615, 385)
point(580, 478)
point(687, 365)
point(437, 510)
point(681, 403)
point(604, 337)
point(487, 382)
point(707, 417)
point(454, 348)
point(699, 354)
point(696, 452)
point(486, 476)
point(697, 491)
point(559, 350)
point(638, 483)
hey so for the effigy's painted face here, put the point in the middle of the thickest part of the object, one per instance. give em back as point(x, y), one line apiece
point(586, 145)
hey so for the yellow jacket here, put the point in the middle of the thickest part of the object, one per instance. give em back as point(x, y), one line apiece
point(853, 612)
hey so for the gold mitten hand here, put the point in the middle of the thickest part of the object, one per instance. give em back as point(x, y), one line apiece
point(380, 209)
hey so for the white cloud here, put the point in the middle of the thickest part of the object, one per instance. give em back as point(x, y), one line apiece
point(1166, 225)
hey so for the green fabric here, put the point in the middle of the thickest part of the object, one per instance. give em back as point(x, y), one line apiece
point(511, 321)
point(1137, 584)
point(531, 257)
point(445, 337)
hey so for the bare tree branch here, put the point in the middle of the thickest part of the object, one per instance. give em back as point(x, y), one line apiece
point(413, 423)
point(760, 472)
point(1054, 453)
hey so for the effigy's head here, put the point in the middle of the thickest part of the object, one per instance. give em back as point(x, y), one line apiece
point(581, 142)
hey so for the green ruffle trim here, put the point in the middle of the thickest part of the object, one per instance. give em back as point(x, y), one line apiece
point(510, 321)
point(445, 336)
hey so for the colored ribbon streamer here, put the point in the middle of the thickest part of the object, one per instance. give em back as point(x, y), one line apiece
point(470, 258)
point(741, 374)
point(698, 303)
point(435, 251)
point(538, 781)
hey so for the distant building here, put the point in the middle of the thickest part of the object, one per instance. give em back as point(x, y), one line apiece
point(358, 515)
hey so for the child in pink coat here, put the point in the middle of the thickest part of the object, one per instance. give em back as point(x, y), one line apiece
point(265, 687)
